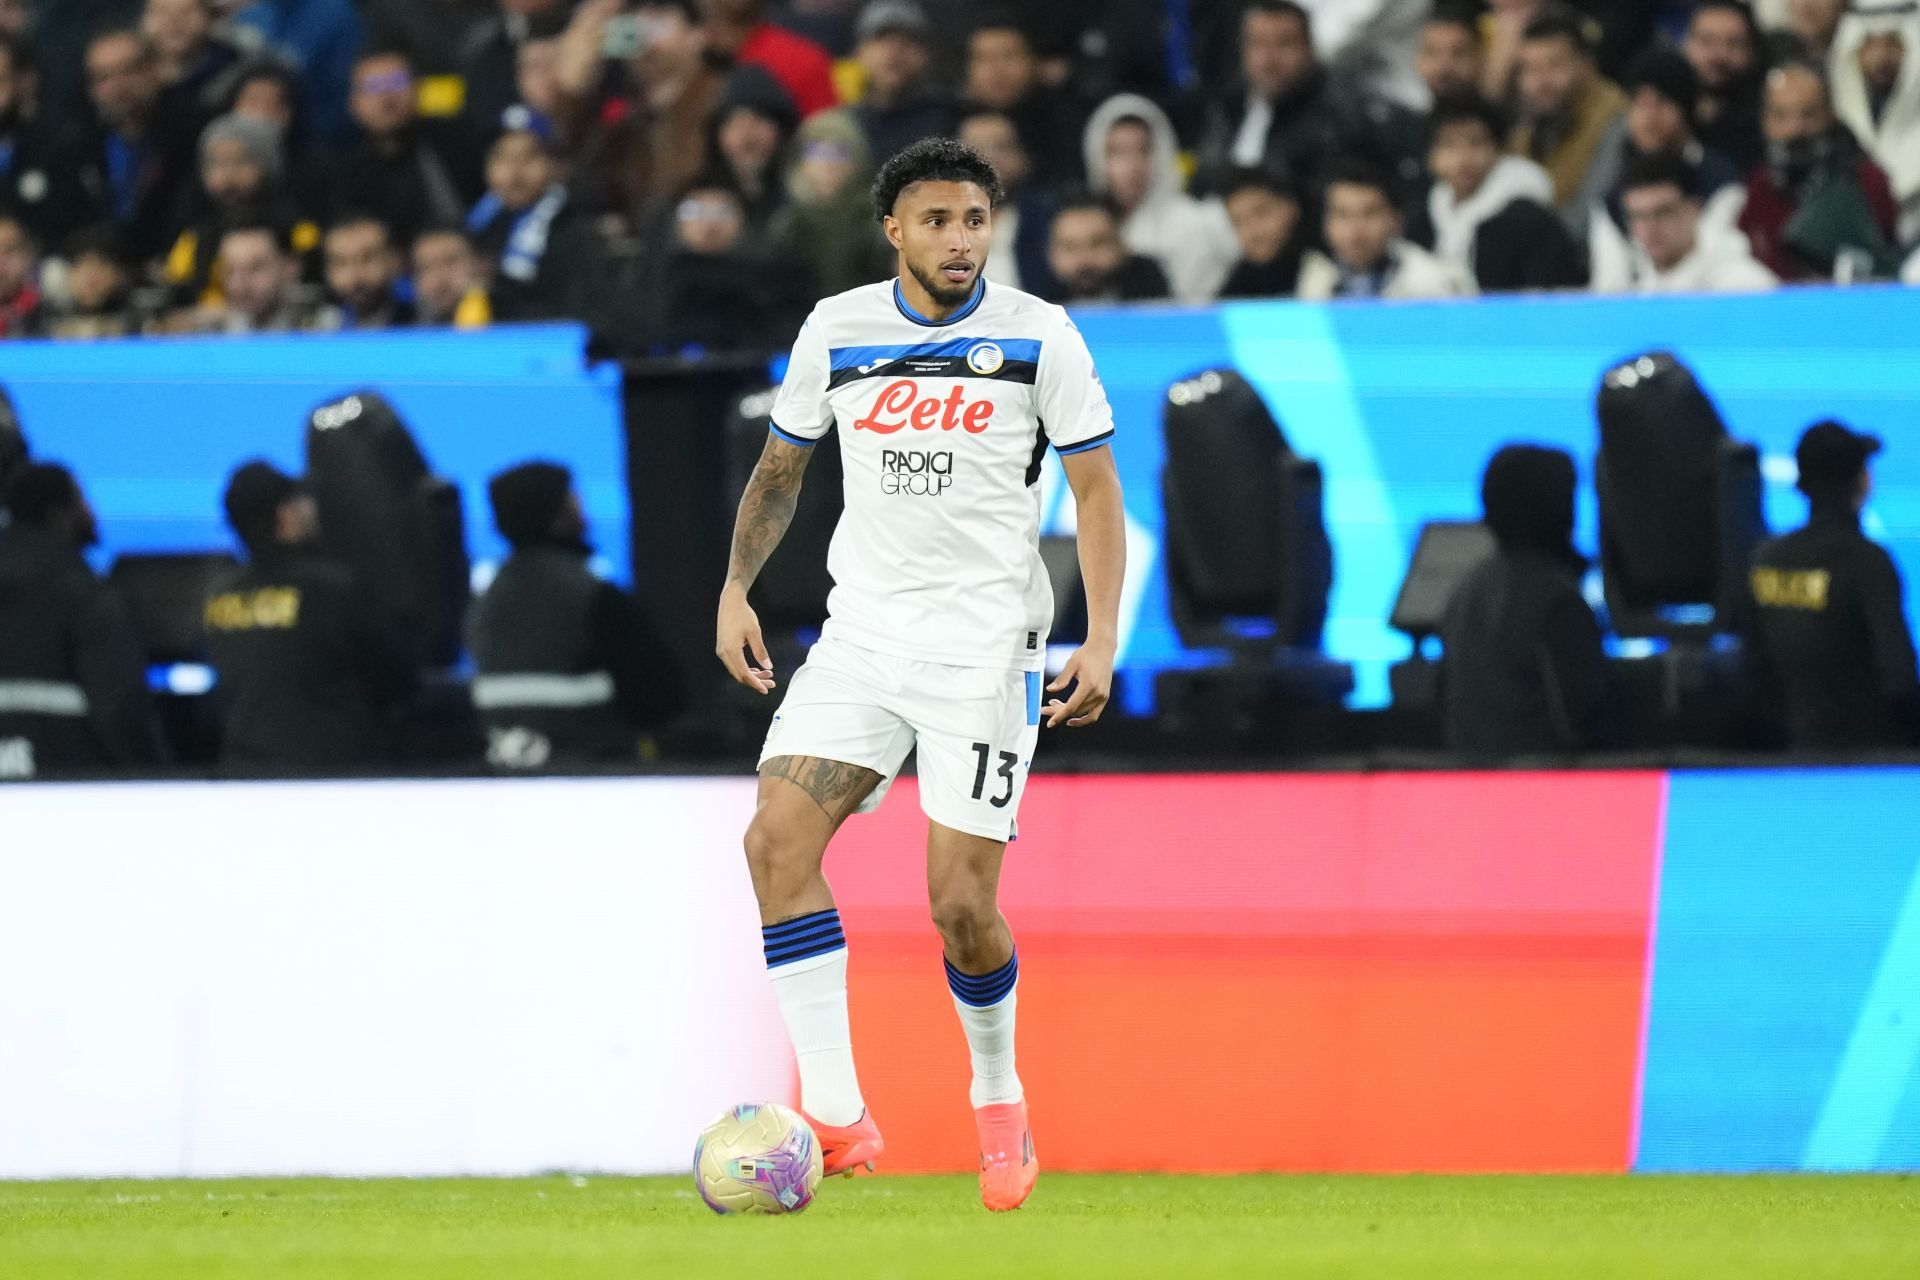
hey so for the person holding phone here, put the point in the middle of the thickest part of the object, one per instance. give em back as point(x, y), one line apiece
point(639, 80)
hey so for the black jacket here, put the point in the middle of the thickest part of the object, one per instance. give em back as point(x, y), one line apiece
point(569, 668)
point(72, 677)
point(1735, 131)
point(310, 673)
point(421, 185)
point(1313, 124)
point(566, 282)
point(733, 301)
point(1049, 123)
point(1523, 247)
point(1525, 673)
point(164, 171)
point(1139, 279)
point(1527, 246)
point(1276, 279)
point(1833, 657)
point(39, 184)
point(893, 129)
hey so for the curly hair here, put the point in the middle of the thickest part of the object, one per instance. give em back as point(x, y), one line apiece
point(933, 160)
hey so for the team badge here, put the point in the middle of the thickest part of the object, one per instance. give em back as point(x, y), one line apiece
point(986, 359)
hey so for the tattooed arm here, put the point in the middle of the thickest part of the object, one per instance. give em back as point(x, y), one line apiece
point(766, 509)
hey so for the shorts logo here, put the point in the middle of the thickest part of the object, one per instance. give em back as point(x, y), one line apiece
point(986, 359)
point(917, 472)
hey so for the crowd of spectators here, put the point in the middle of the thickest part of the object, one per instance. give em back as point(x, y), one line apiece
point(691, 173)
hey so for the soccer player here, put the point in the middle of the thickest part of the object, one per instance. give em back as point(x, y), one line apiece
point(946, 393)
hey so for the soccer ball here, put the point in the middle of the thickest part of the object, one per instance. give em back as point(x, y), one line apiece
point(758, 1157)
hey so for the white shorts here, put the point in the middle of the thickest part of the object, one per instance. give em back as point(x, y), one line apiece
point(975, 727)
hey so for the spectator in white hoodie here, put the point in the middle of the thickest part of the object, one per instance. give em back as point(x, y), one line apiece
point(1132, 159)
point(1490, 214)
point(1670, 253)
point(1876, 92)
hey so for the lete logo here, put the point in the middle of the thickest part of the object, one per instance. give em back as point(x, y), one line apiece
point(900, 406)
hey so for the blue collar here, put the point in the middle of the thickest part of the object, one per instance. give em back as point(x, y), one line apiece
point(972, 305)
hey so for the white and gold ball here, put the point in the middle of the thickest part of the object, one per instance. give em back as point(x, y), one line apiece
point(758, 1157)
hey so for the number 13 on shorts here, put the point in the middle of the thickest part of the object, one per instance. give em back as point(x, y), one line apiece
point(1008, 761)
point(1000, 767)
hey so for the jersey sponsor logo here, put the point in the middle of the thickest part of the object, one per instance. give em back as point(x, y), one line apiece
point(920, 473)
point(900, 406)
point(986, 359)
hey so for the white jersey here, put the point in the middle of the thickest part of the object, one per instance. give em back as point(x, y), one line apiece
point(943, 427)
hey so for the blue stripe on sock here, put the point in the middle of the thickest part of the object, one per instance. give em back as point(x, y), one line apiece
point(983, 989)
point(826, 933)
point(778, 957)
point(802, 938)
point(805, 946)
point(811, 934)
point(801, 922)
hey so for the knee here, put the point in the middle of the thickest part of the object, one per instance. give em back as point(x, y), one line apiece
point(774, 858)
point(964, 922)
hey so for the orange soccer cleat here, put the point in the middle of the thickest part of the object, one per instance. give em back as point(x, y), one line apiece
point(1008, 1167)
point(845, 1147)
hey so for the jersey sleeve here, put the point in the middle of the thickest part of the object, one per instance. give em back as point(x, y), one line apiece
point(1072, 403)
point(801, 414)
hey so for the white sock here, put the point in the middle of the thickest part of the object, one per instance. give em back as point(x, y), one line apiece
point(813, 1002)
point(990, 1042)
point(986, 1003)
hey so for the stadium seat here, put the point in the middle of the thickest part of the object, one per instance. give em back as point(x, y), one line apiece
point(1249, 565)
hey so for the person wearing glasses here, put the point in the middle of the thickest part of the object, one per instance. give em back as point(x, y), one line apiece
point(1661, 199)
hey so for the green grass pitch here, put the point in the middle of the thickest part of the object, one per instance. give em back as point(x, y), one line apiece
point(561, 1228)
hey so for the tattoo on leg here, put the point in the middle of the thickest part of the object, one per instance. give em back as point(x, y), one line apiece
point(832, 785)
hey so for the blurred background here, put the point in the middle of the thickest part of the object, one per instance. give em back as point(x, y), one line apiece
point(1516, 701)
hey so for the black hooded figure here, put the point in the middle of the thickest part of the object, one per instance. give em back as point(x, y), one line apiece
point(1525, 672)
point(569, 669)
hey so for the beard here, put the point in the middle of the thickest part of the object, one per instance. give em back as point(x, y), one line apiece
point(940, 289)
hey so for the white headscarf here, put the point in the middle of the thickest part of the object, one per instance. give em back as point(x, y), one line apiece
point(1895, 140)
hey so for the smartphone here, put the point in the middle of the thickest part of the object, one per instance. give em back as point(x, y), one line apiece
point(627, 34)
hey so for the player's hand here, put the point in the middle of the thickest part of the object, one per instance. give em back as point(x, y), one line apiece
point(1090, 670)
point(738, 642)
